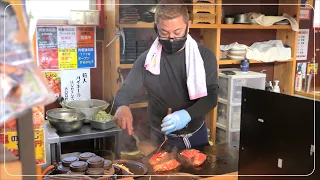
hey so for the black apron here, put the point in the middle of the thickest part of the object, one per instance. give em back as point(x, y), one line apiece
point(197, 139)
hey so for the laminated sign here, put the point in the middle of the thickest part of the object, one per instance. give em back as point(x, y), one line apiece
point(75, 84)
point(70, 84)
point(66, 47)
point(10, 141)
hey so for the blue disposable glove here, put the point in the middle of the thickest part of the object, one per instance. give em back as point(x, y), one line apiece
point(175, 121)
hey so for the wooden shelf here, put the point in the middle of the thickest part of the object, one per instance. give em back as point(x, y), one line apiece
point(221, 62)
point(139, 105)
point(227, 62)
point(250, 26)
point(311, 93)
point(150, 25)
point(126, 66)
point(213, 26)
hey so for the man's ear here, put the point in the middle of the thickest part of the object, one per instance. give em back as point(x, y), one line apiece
point(155, 27)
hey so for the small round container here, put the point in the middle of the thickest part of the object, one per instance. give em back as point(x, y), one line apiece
point(229, 20)
point(76, 173)
point(95, 162)
point(62, 169)
point(95, 172)
point(107, 164)
point(68, 160)
point(85, 156)
point(79, 166)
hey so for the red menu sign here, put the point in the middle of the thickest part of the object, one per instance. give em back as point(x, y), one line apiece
point(85, 37)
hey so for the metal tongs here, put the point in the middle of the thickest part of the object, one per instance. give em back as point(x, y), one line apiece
point(165, 136)
point(118, 34)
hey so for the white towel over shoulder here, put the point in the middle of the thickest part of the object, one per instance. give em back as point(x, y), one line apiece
point(196, 75)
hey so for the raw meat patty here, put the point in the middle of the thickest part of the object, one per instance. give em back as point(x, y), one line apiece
point(166, 166)
point(157, 158)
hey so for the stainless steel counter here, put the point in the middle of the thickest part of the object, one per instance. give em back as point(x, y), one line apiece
point(54, 140)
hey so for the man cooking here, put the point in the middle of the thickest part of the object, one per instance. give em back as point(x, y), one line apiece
point(178, 73)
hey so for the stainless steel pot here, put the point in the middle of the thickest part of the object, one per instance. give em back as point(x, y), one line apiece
point(241, 19)
point(57, 120)
point(90, 107)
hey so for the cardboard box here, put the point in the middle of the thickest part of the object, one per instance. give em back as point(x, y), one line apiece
point(203, 8)
point(203, 18)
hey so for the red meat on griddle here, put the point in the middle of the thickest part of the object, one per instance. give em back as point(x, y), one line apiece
point(166, 166)
point(158, 158)
point(198, 159)
point(189, 153)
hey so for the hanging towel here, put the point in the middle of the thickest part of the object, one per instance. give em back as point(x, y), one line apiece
point(196, 76)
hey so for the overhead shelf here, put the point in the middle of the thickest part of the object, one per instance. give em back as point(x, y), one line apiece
point(253, 26)
point(221, 62)
point(151, 25)
point(227, 62)
point(213, 26)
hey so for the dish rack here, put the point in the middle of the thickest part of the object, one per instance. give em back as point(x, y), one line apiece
point(229, 101)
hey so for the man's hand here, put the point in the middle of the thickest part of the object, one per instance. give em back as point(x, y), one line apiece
point(124, 118)
point(175, 121)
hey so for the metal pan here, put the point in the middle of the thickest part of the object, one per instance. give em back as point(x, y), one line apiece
point(138, 169)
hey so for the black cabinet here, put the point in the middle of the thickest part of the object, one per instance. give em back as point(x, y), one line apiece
point(277, 135)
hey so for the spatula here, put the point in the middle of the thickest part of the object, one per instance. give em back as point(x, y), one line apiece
point(165, 136)
point(145, 147)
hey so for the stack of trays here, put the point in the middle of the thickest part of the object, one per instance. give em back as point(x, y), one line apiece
point(203, 11)
point(142, 46)
point(238, 53)
point(130, 51)
point(129, 15)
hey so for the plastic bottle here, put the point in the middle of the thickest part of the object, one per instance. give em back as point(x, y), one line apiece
point(271, 86)
point(298, 81)
point(276, 87)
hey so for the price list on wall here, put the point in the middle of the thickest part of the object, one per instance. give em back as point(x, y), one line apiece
point(66, 47)
point(303, 41)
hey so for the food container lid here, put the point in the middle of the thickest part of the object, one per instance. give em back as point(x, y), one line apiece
point(95, 171)
point(79, 166)
point(62, 169)
point(107, 164)
point(95, 159)
point(75, 173)
point(68, 160)
point(85, 156)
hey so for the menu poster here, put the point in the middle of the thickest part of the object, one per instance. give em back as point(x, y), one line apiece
point(86, 57)
point(85, 36)
point(10, 141)
point(48, 58)
point(47, 37)
point(303, 41)
point(67, 37)
point(68, 58)
point(66, 47)
point(312, 68)
point(75, 84)
point(304, 13)
point(303, 68)
point(54, 82)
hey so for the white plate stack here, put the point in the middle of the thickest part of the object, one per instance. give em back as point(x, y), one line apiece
point(237, 53)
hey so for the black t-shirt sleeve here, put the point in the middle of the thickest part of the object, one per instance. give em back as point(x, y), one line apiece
point(207, 103)
point(132, 84)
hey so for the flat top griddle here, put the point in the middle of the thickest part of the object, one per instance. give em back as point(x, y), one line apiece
point(221, 159)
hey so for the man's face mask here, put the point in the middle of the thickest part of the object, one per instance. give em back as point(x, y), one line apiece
point(176, 44)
